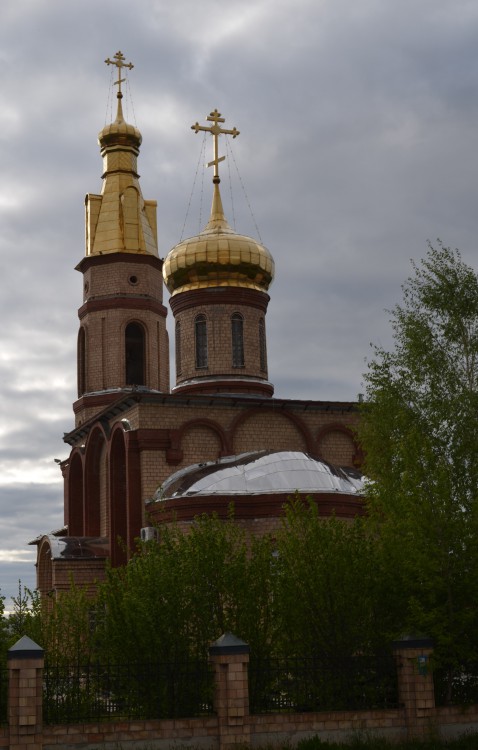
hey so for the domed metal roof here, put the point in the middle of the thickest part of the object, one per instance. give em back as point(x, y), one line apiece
point(218, 256)
point(261, 473)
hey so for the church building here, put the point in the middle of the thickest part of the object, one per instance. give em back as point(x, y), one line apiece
point(143, 453)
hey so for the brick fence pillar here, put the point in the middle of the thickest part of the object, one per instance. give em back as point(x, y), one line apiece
point(230, 657)
point(25, 694)
point(416, 693)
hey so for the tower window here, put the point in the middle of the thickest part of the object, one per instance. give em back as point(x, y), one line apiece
point(81, 360)
point(200, 331)
point(237, 332)
point(178, 348)
point(134, 354)
point(262, 345)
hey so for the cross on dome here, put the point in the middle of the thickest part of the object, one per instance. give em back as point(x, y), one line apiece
point(215, 130)
point(119, 61)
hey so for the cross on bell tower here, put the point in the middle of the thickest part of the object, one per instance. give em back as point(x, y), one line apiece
point(119, 61)
point(216, 131)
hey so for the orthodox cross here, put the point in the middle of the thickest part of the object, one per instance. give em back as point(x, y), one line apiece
point(118, 60)
point(215, 130)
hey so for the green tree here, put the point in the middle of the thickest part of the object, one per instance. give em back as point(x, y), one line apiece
point(63, 626)
point(174, 597)
point(3, 631)
point(330, 592)
point(420, 434)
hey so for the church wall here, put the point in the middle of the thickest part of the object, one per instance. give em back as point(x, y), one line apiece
point(272, 431)
point(82, 572)
point(200, 439)
point(153, 470)
point(337, 448)
point(105, 366)
point(125, 277)
point(218, 322)
point(174, 435)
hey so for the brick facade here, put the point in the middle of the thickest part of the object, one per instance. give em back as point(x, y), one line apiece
point(223, 372)
point(131, 433)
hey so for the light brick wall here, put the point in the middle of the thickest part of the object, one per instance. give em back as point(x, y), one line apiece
point(219, 336)
point(337, 448)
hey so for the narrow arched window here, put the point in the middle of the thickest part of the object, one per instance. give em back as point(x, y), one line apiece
point(178, 348)
point(262, 345)
point(81, 362)
point(134, 354)
point(200, 332)
point(237, 333)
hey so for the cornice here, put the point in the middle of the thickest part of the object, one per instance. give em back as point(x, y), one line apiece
point(223, 295)
point(115, 302)
point(108, 258)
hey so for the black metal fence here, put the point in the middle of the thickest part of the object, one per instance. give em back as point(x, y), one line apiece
point(155, 690)
point(3, 694)
point(456, 685)
point(346, 684)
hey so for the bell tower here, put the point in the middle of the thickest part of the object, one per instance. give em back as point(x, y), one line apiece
point(218, 282)
point(122, 340)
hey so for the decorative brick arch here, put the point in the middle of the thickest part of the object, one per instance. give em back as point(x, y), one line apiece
point(357, 458)
point(45, 568)
point(118, 497)
point(254, 411)
point(174, 454)
point(95, 451)
point(75, 495)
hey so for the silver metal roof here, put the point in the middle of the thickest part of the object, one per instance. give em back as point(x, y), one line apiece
point(261, 473)
point(73, 547)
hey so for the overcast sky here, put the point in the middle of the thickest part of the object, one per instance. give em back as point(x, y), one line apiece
point(359, 141)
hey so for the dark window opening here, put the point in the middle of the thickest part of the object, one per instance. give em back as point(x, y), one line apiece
point(178, 348)
point(200, 326)
point(134, 354)
point(81, 355)
point(237, 330)
point(262, 345)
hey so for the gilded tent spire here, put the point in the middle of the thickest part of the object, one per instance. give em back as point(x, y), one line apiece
point(120, 220)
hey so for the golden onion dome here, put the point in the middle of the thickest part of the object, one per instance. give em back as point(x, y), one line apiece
point(218, 257)
point(119, 132)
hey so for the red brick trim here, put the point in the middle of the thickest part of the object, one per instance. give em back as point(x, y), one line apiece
point(150, 439)
point(95, 400)
point(296, 420)
point(122, 303)
point(221, 385)
point(175, 454)
point(248, 507)
point(223, 295)
point(103, 260)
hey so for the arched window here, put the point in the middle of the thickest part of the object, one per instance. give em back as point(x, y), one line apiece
point(81, 362)
point(237, 332)
point(178, 348)
point(200, 331)
point(262, 345)
point(134, 354)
